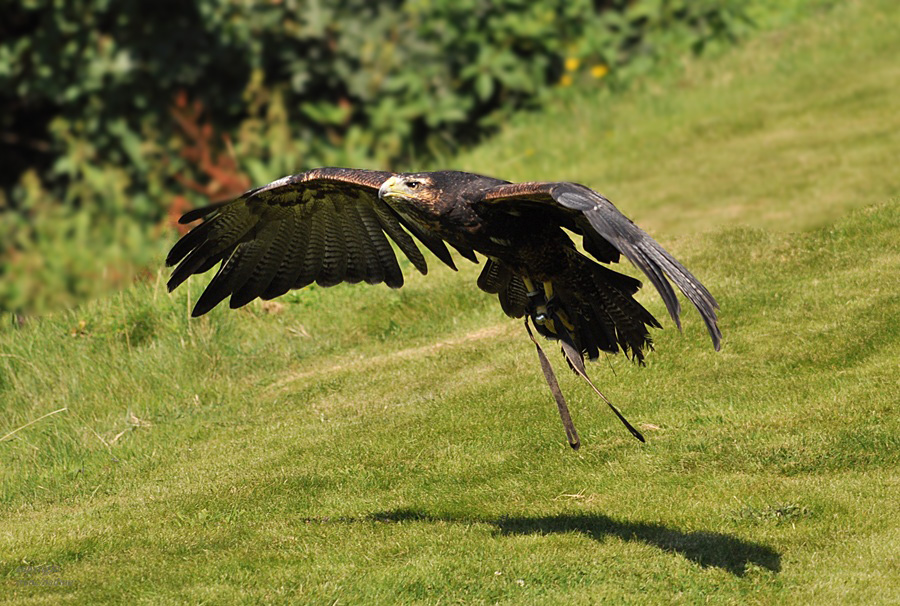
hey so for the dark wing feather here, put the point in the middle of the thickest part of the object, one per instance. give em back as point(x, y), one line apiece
point(325, 225)
point(315, 251)
point(431, 241)
point(251, 277)
point(607, 232)
point(292, 251)
point(382, 264)
point(390, 221)
point(334, 263)
point(494, 277)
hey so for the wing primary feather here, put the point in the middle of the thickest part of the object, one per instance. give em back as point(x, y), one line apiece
point(315, 249)
point(646, 253)
point(214, 259)
point(433, 243)
point(334, 260)
point(693, 290)
point(368, 233)
point(390, 223)
point(252, 267)
point(466, 252)
point(190, 264)
point(189, 242)
point(292, 250)
point(637, 256)
point(377, 266)
point(653, 271)
point(393, 276)
point(266, 266)
point(352, 239)
point(198, 213)
point(224, 232)
point(218, 287)
point(683, 277)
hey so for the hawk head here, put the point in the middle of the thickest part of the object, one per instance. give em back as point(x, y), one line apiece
point(417, 187)
point(440, 189)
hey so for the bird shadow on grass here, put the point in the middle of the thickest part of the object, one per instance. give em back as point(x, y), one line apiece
point(708, 549)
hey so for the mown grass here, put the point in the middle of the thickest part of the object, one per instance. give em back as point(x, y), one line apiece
point(362, 445)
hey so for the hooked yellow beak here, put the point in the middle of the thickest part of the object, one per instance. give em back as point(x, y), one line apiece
point(392, 187)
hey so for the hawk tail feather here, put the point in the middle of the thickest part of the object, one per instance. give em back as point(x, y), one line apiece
point(596, 307)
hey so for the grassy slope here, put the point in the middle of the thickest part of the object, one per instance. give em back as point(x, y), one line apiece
point(333, 452)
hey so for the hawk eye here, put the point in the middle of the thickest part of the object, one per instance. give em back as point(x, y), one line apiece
point(412, 184)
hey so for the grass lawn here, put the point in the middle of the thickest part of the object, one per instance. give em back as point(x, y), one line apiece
point(363, 445)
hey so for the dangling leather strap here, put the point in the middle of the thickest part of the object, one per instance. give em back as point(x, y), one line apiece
point(576, 361)
point(571, 434)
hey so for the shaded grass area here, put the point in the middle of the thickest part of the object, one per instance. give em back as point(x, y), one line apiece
point(363, 445)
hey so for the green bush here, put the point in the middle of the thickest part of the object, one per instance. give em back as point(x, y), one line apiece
point(109, 111)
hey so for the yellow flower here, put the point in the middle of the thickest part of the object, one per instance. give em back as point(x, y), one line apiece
point(566, 80)
point(572, 64)
point(599, 70)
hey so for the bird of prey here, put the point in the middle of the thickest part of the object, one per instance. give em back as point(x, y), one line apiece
point(332, 225)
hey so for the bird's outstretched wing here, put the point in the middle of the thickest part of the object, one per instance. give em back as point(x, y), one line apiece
point(606, 232)
point(325, 225)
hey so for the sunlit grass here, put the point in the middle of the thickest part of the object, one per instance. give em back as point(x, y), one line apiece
point(363, 445)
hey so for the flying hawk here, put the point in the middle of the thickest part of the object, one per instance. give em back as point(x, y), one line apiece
point(332, 225)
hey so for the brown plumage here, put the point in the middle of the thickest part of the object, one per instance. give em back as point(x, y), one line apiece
point(333, 225)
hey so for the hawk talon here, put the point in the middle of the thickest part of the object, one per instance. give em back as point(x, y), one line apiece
point(544, 308)
point(551, 305)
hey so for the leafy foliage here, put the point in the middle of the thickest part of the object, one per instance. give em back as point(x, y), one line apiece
point(93, 97)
